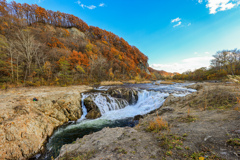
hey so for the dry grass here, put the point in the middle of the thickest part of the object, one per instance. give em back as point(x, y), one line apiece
point(187, 119)
point(109, 83)
point(144, 82)
point(137, 82)
point(220, 98)
point(157, 125)
point(234, 79)
point(178, 81)
point(166, 82)
point(216, 97)
point(130, 81)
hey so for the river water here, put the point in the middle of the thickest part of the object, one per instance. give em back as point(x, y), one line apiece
point(150, 97)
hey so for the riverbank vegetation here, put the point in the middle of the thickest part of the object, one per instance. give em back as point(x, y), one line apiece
point(226, 62)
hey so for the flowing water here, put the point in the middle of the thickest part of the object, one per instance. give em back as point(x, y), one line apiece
point(114, 113)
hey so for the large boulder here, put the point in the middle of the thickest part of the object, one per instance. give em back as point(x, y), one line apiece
point(129, 94)
point(93, 111)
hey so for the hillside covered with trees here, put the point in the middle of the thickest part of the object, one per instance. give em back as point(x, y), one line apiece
point(43, 47)
point(226, 62)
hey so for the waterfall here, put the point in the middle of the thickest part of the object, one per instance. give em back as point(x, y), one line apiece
point(147, 102)
point(105, 102)
point(84, 109)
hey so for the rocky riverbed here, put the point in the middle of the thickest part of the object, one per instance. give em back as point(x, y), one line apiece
point(204, 124)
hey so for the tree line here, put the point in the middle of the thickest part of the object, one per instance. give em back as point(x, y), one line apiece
point(225, 62)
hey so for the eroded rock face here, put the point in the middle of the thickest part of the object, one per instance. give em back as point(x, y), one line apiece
point(93, 111)
point(113, 143)
point(129, 94)
point(25, 125)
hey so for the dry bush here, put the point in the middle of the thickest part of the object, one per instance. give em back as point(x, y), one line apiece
point(237, 108)
point(157, 125)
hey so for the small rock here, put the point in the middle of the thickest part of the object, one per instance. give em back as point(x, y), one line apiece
point(237, 131)
point(205, 139)
point(137, 117)
point(167, 109)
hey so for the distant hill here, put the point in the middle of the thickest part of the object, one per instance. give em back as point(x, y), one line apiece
point(162, 72)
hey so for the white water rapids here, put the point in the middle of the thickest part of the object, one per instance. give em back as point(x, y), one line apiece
point(110, 110)
point(115, 112)
point(113, 109)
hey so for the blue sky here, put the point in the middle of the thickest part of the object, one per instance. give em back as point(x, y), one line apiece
point(176, 35)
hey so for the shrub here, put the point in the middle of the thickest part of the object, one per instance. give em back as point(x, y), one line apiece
point(234, 142)
point(157, 125)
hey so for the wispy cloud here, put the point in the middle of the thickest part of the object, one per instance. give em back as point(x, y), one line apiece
point(85, 6)
point(185, 65)
point(178, 24)
point(101, 5)
point(175, 20)
point(90, 7)
point(220, 5)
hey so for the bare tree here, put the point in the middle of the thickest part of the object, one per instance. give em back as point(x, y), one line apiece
point(11, 50)
point(27, 48)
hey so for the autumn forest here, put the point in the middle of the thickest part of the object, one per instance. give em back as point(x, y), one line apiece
point(43, 47)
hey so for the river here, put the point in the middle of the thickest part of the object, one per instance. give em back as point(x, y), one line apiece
point(150, 97)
